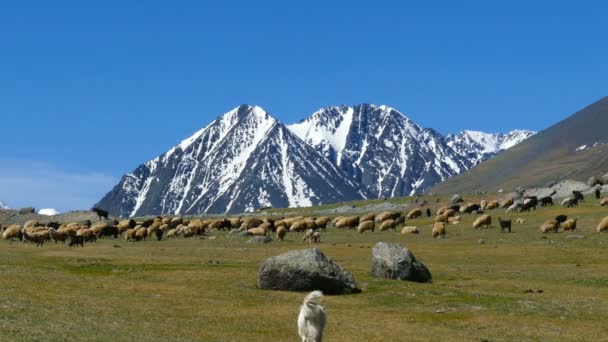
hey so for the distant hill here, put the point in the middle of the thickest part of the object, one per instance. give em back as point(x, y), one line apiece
point(575, 148)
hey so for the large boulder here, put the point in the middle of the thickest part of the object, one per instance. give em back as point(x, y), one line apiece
point(456, 199)
point(391, 261)
point(593, 181)
point(305, 270)
point(28, 210)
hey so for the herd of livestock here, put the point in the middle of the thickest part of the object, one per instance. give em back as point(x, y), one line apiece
point(79, 233)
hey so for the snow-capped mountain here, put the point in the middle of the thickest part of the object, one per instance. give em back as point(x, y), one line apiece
point(246, 159)
point(381, 149)
point(3, 206)
point(243, 160)
point(479, 146)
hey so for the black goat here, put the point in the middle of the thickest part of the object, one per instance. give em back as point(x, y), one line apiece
point(561, 218)
point(101, 213)
point(546, 201)
point(504, 225)
point(76, 240)
point(578, 196)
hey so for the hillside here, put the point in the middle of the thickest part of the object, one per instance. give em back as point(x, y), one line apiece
point(575, 148)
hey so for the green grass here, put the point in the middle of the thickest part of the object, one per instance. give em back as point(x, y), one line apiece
point(205, 290)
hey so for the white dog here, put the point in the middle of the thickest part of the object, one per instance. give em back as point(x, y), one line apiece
point(312, 318)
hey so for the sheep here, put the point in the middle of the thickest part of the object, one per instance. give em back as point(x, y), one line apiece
point(469, 208)
point(455, 207)
point(504, 225)
point(383, 216)
point(174, 223)
point(386, 225)
point(322, 222)
point(365, 226)
point(130, 234)
point(368, 217)
point(438, 230)
point(31, 224)
point(550, 226)
point(450, 213)
point(603, 225)
point(561, 218)
point(530, 202)
point(604, 202)
point(350, 222)
point(484, 220)
point(507, 203)
point(409, 230)
point(492, 205)
point(252, 222)
point(59, 234)
point(442, 210)
point(38, 239)
point(281, 232)
point(569, 225)
point(12, 232)
point(520, 221)
point(454, 219)
point(570, 202)
point(235, 222)
point(298, 226)
point(87, 234)
point(414, 214)
point(483, 204)
point(101, 213)
point(441, 218)
point(126, 224)
point(258, 231)
point(546, 201)
point(171, 233)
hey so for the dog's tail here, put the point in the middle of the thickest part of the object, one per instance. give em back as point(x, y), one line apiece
point(313, 297)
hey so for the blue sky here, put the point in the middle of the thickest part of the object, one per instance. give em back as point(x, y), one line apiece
point(89, 90)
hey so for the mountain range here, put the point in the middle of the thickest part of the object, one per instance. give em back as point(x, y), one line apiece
point(246, 159)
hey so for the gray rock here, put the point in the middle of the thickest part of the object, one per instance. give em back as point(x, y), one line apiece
point(260, 239)
point(305, 270)
point(28, 210)
point(456, 199)
point(575, 236)
point(593, 181)
point(391, 261)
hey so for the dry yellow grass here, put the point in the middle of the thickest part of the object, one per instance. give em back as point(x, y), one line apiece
point(205, 290)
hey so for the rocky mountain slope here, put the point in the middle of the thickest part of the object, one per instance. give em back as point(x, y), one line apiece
point(574, 148)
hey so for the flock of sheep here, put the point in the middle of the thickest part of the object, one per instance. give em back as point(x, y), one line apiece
point(77, 234)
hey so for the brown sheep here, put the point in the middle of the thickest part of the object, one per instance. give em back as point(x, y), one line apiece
point(298, 226)
point(550, 226)
point(308, 236)
point(604, 202)
point(12, 232)
point(349, 222)
point(603, 226)
point(438, 230)
point(258, 231)
point(441, 218)
point(414, 214)
point(454, 219)
point(322, 222)
point(483, 220)
point(569, 225)
point(388, 224)
point(281, 232)
point(31, 224)
point(492, 205)
point(450, 213)
point(441, 210)
point(365, 226)
point(368, 217)
point(507, 203)
point(483, 204)
point(409, 230)
point(383, 216)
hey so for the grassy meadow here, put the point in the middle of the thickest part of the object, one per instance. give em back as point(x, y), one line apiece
point(205, 289)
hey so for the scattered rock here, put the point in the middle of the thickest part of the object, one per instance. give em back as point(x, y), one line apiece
point(392, 261)
point(260, 239)
point(305, 270)
point(28, 210)
point(456, 199)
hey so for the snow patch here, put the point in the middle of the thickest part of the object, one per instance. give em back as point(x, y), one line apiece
point(48, 212)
